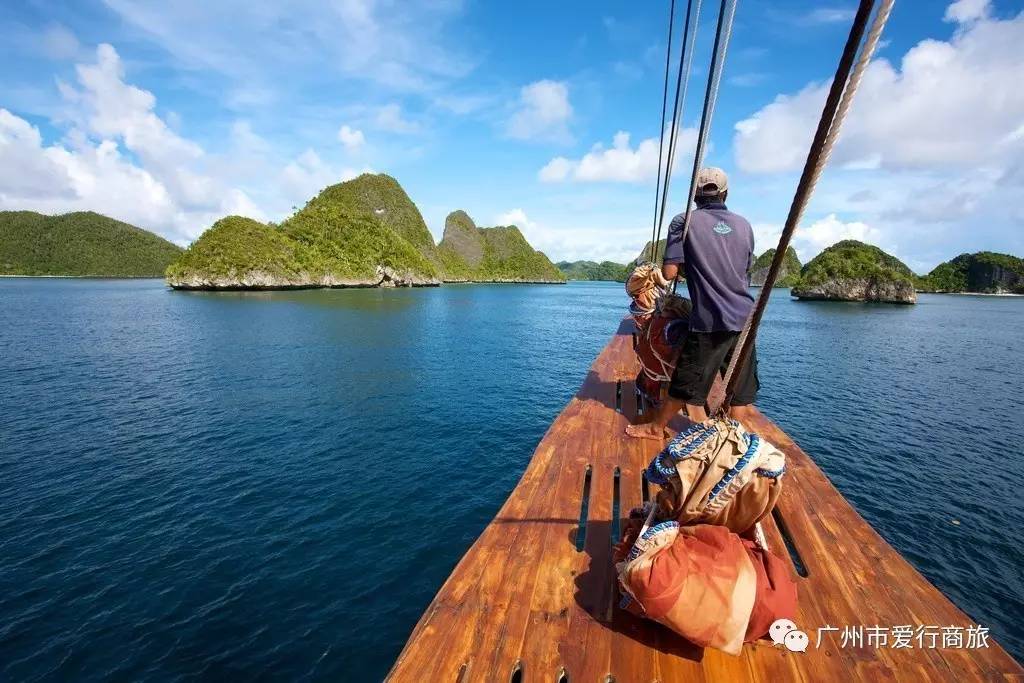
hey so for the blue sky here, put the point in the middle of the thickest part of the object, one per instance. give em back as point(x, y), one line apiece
point(169, 115)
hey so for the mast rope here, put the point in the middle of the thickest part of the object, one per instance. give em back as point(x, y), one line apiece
point(837, 105)
point(682, 85)
point(661, 139)
point(723, 33)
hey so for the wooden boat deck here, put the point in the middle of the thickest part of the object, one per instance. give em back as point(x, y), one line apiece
point(524, 604)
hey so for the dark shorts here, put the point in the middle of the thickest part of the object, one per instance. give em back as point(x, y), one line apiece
point(704, 356)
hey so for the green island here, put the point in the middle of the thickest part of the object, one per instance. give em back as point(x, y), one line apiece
point(80, 244)
point(608, 271)
point(365, 232)
point(983, 272)
point(789, 274)
point(645, 253)
point(498, 254)
point(854, 271)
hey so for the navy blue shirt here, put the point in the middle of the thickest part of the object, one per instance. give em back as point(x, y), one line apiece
point(716, 258)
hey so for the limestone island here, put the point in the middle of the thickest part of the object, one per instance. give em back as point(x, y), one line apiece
point(80, 244)
point(854, 271)
point(984, 272)
point(606, 271)
point(789, 274)
point(365, 232)
point(498, 254)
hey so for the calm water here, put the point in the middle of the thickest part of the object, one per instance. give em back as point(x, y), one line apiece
point(274, 485)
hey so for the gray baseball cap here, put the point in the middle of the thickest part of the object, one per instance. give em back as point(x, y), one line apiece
point(711, 181)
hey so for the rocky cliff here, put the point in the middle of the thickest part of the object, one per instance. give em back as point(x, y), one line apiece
point(984, 272)
point(854, 271)
point(499, 254)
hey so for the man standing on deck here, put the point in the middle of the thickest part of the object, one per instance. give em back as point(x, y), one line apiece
point(716, 258)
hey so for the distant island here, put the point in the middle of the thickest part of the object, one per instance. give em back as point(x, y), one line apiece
point(984, 272)
point(789, 275)
point(853, 271)
point(365, 232)
point(608, 271)
point(80, 244)
point(498, 254)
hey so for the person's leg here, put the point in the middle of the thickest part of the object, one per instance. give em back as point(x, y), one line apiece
point(742, 405)
point(689, 387)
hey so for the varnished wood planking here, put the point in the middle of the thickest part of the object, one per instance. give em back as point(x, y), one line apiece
point(524, 593)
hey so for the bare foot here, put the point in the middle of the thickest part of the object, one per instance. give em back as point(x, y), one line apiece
point(648, 430)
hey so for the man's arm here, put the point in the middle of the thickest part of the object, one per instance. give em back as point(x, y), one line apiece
point(673, 249)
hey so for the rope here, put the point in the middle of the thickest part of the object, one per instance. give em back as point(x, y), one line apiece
point(837, 104)
point(661, 140)
point(723, 33)
point(682, 85)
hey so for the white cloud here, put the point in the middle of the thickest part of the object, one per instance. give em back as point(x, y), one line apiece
point(543, 112)
point(160, 185)
point(556, 170)
point(949, 104)
point(964, 11)
point(307, 174)
point(811, 239)
point(935, 141)
point(574, 242)
point(620, 163)
point(390, 119)
point(351, 138)
point(404, 47)
point(518, 218)
point(829, 15)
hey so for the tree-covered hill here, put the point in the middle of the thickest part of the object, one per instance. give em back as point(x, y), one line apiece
point(363, 232)
point(498, 254)
point(855, 271)
point(789, 274)
point(645, 253)
point(81, 243)
point(591, 270)
point(982, 272)
point(381, 196)
point(356, 233)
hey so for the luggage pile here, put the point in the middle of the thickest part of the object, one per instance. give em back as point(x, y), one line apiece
point(689, 559)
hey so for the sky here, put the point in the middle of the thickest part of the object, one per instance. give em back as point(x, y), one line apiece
point(544, 115)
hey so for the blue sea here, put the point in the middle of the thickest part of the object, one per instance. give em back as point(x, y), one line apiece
point(273, 485)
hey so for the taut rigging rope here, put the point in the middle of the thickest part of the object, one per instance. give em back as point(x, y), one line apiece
point(661, 139)
point(726, 14)
point(682, 84)
point(837, 104)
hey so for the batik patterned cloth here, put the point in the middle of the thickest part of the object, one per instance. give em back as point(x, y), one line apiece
point(660, 338)
point(716, 472)
point(704, 582)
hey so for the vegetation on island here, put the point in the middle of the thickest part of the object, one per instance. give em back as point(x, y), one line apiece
point(363, 232)
point(82, 244)
point(849, 260)
point(788, 276)
point(591, 270)
point(645, 253)
point(498, 254)
point(983, 272)
point(854, 271)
